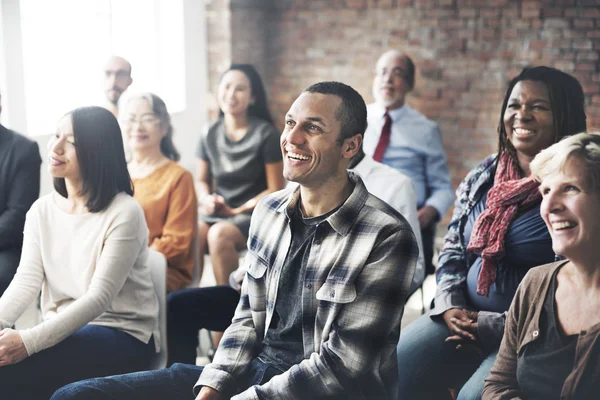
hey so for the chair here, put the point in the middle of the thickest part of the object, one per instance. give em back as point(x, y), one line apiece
point(197, 272)
point(158, 270)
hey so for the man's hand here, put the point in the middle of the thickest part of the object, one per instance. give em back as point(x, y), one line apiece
point(426, 216)
point(12, 348)
point(208, 393)
point(462, 325)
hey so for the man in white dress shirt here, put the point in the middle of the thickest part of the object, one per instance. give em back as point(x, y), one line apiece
point(406, 140)
point(396, 189)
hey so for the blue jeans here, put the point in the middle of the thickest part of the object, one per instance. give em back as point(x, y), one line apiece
point(90, 351)
point(174, 383)
point(428, 366)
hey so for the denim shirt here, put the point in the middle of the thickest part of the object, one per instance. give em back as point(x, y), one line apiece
point(356, 279)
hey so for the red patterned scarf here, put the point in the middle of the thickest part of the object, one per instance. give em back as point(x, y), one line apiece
point(509, 193)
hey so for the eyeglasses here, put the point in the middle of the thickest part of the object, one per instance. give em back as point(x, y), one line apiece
point(394, 73)
point(146, 121)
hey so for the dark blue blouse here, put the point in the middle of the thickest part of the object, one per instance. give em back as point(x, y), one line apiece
point(526, 244)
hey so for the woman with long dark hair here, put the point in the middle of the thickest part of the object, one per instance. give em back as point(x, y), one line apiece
point(239, 162)
point(85, 248)
point(496, 235)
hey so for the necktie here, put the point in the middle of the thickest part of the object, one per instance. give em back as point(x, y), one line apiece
point(384, 139)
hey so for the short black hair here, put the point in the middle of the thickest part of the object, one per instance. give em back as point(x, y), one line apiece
point(567, 102)
point(352, 112)
point(259, 108)
point(101, 157)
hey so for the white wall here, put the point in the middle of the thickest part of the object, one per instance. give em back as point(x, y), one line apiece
point(188, 123)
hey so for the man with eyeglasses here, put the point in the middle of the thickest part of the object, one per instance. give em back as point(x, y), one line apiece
point(117, 78)
point(403, 138)
point(19, 187)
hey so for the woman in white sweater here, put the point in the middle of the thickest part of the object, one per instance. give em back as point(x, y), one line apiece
point(85, 246)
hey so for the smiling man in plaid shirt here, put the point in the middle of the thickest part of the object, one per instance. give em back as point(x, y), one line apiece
point(328, 271)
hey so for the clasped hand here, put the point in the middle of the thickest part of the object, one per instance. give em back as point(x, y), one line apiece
point(12, 348)
point(214, 204)
point(462, 325)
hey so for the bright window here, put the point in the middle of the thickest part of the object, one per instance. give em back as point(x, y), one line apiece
point(67, 42)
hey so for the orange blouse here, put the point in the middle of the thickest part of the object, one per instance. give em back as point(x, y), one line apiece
point(168, 199)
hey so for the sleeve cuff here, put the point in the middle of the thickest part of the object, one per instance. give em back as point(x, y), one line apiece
point(440, 203)
point(445, 301)
point(214, 378)
point(27, 342)
point(490, 328)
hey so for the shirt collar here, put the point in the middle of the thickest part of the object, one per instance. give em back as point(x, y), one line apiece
point(364, 167)
point(343, 219)
point(395, 114)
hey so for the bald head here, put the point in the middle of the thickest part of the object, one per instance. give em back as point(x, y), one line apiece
point(394, 78)
point(117, 78)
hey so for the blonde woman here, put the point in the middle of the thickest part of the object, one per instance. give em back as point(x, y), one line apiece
point(551, 343)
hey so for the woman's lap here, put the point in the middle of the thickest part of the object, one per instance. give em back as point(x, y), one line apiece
point(428, 366)
point(91, 351)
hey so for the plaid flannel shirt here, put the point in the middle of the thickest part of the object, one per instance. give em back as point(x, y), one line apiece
point(356, 280)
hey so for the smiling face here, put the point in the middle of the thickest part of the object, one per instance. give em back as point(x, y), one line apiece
point(528, 119)
point(62, 156)
point(571, 211)
point(143, 130)
point(234, 94)
point(389, 85)
point(312, 154)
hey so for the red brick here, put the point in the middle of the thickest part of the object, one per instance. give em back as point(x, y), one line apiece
point(590, 12)
point(552, 12)
point(587, 56)
point(583, 24)
point(583, 44)
point(538, 44)
point(531, 13)
point(467, 13)
point(356, 4)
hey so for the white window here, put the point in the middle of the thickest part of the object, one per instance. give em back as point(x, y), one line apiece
point(67, 42)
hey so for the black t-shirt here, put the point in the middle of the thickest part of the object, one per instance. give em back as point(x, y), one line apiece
point(282, 346)
point(545, 363)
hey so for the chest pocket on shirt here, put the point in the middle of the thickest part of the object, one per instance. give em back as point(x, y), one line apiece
point(255, 266)
point(337, 292)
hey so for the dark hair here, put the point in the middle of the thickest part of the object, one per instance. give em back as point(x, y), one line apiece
point(410, 72)
point(566, 101)
point(101, 157)
point(352, 112)
point(159, 109)
point(259, 108)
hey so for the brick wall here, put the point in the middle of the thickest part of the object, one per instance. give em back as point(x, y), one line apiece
point(465, 52)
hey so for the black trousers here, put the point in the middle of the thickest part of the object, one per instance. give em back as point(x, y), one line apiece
point(189, 310)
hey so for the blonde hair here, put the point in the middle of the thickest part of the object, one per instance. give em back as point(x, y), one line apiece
point(585, 147)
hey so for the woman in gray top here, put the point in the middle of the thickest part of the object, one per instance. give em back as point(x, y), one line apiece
point(238, 162)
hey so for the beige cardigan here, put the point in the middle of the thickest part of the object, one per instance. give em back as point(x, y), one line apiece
point(91, 269)
point(522, 327)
